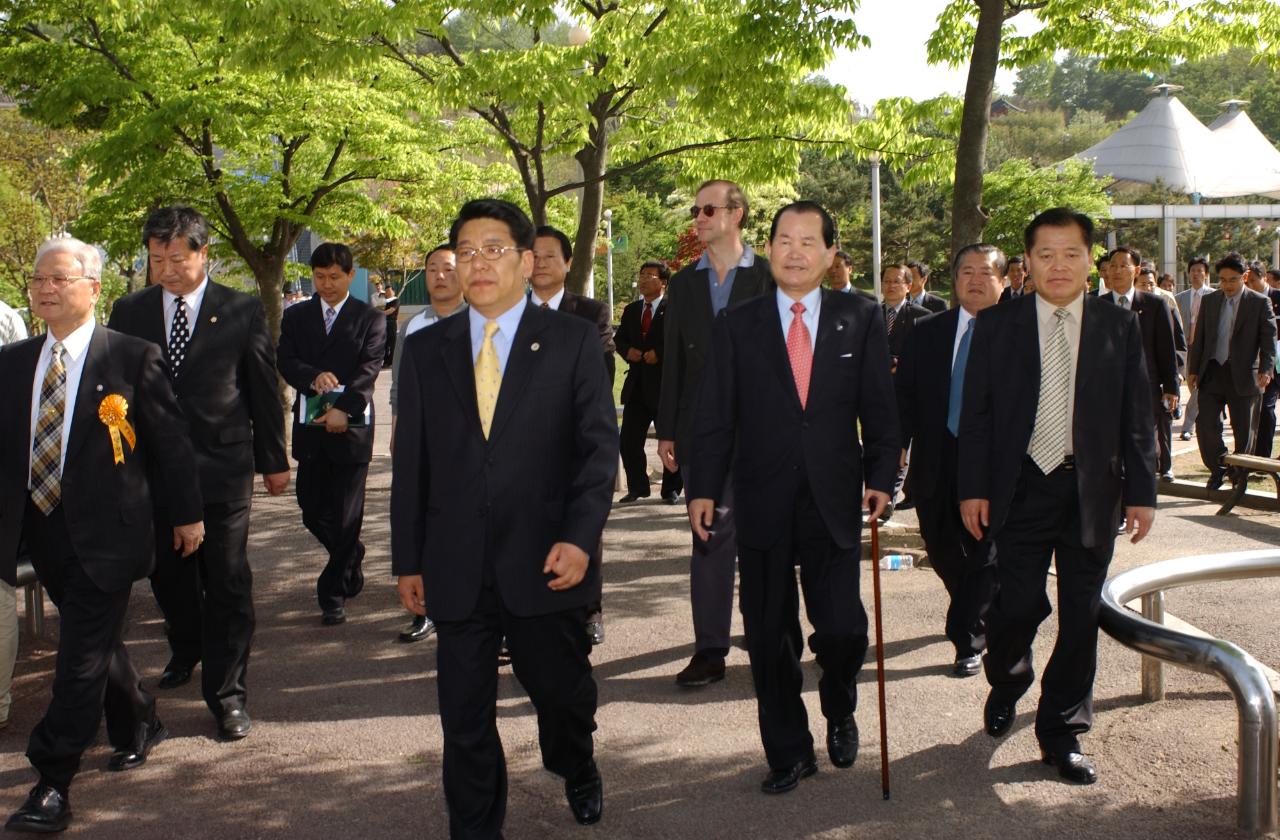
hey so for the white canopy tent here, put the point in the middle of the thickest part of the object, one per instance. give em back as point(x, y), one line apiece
point(1237, 138)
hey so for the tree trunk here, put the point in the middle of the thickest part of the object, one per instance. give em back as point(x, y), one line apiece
point(269, 275)
point(967, 216)
point(592, 160)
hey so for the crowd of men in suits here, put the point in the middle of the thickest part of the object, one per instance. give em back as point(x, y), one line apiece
point(1027, 423)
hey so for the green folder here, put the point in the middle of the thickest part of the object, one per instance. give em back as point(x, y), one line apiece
point(312, 408)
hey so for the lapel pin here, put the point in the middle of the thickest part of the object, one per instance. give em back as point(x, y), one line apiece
point(97, 388)
point(535, 347)
point(839, 326)
point(213, 319)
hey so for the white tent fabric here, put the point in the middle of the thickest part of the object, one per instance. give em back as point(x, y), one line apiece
point(1165, 141)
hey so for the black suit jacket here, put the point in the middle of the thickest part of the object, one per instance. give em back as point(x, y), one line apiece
point(1113, 438)
point(644, 381)
point(460, 503)
point(750, 416)
point(1008, 294)
point(902, 326)
point(687, 340)
point(931, 302)
point(226, 386)
point(1159, 338)
point(923, 386)
point(353, 351)
point(597, 312)
point(107, 505)
point(1253, 339)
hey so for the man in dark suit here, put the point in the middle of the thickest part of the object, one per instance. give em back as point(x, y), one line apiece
point(333, 343)
point(1160, 337)
point(1231, 362)
point(222, 365)
point(1265, 437)
point(791, 379)
point(552, 259)
point(90, 431)
point(504, 413)
point(1015, 273)
point(900, 314)
point(930, 389)
point(918, 274)
point(1055, 435)
point(639, 341)
point(727, 273)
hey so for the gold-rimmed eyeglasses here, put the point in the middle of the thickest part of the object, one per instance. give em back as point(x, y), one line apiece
point(40, 280)
point(492, 253)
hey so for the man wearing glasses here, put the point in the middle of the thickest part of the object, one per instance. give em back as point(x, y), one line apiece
point(727, 273)
point(502, 479)
point(91, 433)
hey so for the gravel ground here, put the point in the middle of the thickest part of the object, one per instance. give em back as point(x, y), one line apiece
point(347, 741)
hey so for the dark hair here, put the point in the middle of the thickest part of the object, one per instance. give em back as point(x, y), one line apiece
point(663, 270)
point(566, 247)
point(1204, 261)
point(333, 253)
point(1058, 217)
point(884, 268)
point(1258, 266)
point(1232, 260)
point(920, 267)
point(1105, 258)
point(1274, 272)
point(1009, 263)
point(1148, 269)
point(170, 223)
point(1002, 263)
point(443, 246)
point(734, 196)
point(844, 255)
point(1134, 254)
point(518, 224)
point(828, 224)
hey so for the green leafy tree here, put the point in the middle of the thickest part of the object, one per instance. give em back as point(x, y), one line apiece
point(1016, 191)
point(721, 84)
point(176, 121)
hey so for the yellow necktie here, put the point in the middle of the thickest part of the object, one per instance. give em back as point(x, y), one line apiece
point(488, 378)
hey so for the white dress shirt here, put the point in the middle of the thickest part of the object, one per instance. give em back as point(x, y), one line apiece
point(1045, 318)
point(75, 347)
point(191, 301)
point(961, 326)
point(552, 303)
point(812, 303)
point(337, 308)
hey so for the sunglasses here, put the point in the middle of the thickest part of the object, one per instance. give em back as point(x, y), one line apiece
point(709, 210)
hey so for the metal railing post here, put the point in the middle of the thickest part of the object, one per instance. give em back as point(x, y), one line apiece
point(1152, 668)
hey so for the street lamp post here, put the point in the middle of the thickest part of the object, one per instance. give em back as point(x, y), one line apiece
point(875, 222)
point(608, 256)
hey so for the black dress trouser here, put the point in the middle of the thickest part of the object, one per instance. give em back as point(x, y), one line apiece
point(771, 616)
point(93, 673)
point(331, 496)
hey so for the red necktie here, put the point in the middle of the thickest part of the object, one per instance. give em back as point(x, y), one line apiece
point(646, 320)
point(800, 351)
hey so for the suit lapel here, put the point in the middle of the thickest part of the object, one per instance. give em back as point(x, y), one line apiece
point(702, 294)
point(206, 321)
point(830, 325)
point(521, 362)
point(459, 363)
point(775, 350)
point(345, 318)
point(97, 362)
point(152, 323)
point(1027, 345)
point(26, 365)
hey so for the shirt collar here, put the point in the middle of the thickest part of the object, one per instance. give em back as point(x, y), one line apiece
point(655, 304)
point(74, 345)
point(965, 318)
point(552, 303)
point(192, 299)
point(337, 307)
point(507, 322)
point(811, 303)
point(748, 259)
point(1045, 310)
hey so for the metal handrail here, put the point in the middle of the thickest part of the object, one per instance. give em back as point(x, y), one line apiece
point(1257, 758)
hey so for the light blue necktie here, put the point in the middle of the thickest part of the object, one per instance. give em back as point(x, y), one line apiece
point(957, 381)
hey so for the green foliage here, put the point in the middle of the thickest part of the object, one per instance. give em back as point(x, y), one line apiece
point(649, 231)
point(1015, 192)
point(1044, 137)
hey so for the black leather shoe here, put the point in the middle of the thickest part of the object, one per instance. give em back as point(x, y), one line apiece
point(632, 497)
point(1185, 435)
point(136, 754)
point(671, 498)
point(333, 617)
point(1215, 480)
point(887, 514)
point(234, 725)
point(586, 796)
point(419, 629)
point(967, 666)
point(842, 742)
point(998, 716)
point(45, 812)
point(701, 670)
point(786, 779)
point(1166, 477)
point(1072, 766)
point(175, 675)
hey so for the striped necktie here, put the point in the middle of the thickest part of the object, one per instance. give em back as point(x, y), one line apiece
point(1049, 437)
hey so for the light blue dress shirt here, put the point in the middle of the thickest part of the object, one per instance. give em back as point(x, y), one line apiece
point(508, 323)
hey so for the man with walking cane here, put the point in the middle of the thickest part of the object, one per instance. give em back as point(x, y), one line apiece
point(790, 379)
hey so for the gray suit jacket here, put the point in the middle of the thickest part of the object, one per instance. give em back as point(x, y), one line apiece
point(1252, 347)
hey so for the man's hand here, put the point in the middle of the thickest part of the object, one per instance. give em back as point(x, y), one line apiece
point(275, 483)
point(1264, 379)
point(634, 354)
point(391, 445)
point(188, 538)
point(412, 595)
point(701, 513)
point(651, 357)
point(1170, 402)
point(976, 514)
point(335, 421)
point(324, 383)
point(875, 502)
point(569, 565)
point(1137, 521)
point(1191, 381)
point(902, 460)
point(667, 454)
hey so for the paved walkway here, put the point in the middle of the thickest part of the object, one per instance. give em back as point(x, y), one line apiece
point(346, 740)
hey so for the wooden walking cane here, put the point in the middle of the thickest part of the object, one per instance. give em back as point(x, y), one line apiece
point(884, 725)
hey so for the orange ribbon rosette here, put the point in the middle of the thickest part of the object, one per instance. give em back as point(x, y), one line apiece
point(113, 412)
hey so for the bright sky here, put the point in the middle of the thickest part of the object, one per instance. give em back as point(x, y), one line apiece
point(895, 64)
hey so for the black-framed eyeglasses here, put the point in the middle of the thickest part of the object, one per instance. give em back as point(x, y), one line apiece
point(709, 210)
point(492, 253)
point(39, 280)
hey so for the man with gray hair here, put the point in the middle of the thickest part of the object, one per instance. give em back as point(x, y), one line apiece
point(80, 461)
